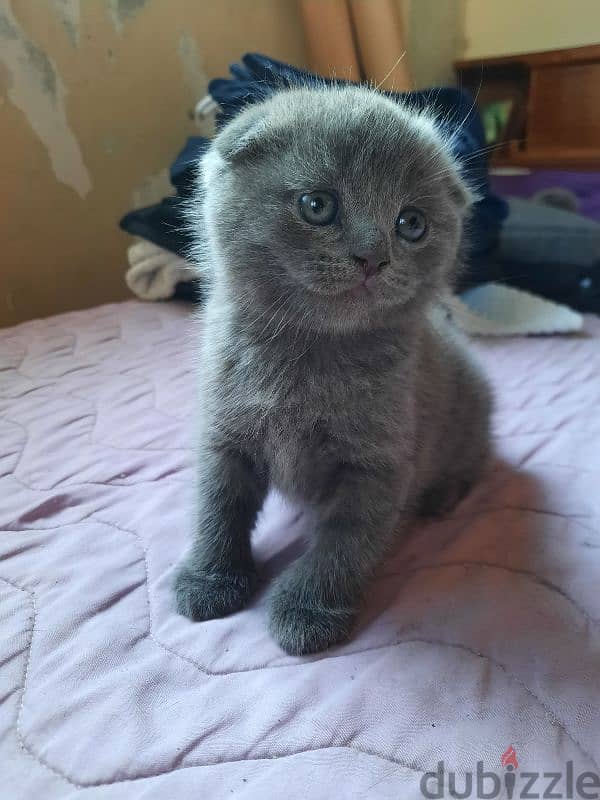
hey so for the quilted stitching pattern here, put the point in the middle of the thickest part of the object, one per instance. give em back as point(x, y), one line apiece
point(482, 631)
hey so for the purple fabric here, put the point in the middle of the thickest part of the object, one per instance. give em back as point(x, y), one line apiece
point(482, 631)
point(585, 185)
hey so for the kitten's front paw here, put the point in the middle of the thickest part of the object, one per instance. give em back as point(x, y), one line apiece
point(201, 596)
point(304, 629)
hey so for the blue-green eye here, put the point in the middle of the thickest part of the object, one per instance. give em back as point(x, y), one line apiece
point(318, 208)
point(411, 224)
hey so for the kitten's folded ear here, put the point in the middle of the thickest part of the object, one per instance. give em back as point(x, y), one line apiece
point(246, 136)
point(460, 191)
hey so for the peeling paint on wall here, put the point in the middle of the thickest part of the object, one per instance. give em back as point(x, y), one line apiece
point(152, 189)
point(36, 88)
point(69, 13)
point(122, 10)
point(93, 102)
point(7, 29)
point(193, 74)
point(38, 62)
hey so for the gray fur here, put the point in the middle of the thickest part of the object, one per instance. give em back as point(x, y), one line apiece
point(362, 405)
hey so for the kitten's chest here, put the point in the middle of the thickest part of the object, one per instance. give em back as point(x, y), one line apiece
point(304, 440)
point(285, 389)
point(322, 421)
point(305, 416)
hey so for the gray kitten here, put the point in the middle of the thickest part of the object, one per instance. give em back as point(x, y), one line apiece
point(332, 220)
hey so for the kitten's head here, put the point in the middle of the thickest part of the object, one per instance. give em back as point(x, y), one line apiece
point(337, 205)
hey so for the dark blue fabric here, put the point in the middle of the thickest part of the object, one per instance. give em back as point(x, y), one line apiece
point(258, 77)
point(165, 223)
point(182, 169)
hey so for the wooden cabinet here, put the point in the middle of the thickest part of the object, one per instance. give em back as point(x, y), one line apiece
point(555, 95)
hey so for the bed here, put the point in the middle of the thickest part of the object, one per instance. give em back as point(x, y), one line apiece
point(481, 633)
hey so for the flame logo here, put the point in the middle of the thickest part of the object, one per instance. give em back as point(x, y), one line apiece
point(509, 758)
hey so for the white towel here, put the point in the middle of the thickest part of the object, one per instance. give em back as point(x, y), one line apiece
point(496, 310)
point(154, 272)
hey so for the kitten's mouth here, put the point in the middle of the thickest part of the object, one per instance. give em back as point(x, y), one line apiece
point(360, 291)
point(364, 288)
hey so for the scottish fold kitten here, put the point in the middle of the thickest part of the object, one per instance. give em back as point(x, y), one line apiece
point(331, 221)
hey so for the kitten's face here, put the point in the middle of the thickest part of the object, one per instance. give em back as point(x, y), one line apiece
point(338, 203)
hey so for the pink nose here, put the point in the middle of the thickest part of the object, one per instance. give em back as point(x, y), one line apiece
point(370, 264)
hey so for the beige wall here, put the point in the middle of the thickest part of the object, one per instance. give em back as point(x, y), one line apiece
point(433, 37)
point(94, 102)
point(501, 27)
point(441, 31)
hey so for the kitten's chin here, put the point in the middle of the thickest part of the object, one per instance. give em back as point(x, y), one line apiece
point(364, 291)
point(352, 310)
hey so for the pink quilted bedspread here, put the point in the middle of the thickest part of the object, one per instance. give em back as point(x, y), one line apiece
point(483, 631)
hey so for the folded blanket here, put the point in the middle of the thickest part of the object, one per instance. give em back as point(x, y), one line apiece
point(496, 310)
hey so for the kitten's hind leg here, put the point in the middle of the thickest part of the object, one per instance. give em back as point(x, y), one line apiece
point(219, 576)
point(442, 497)
point(448, 490)
point(314, 604)
point(459, 456)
